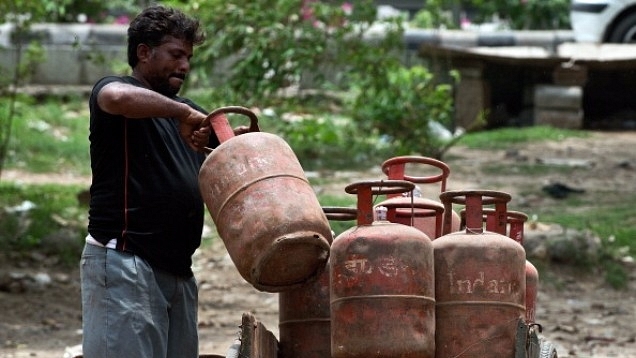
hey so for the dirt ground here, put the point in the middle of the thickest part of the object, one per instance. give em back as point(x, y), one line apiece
point(579, 313)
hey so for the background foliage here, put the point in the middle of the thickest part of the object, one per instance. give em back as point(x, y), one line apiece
point(257, 57)
point(67, 11)
point(280, 62)
point(525, 14)
point(512, 14)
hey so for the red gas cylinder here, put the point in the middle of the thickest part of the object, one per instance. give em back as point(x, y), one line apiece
point(382, 284)
point(304, 315)
point(264, 208)
point(410, 211)
point(479, 283)
point(401, 204)
point(516, 222)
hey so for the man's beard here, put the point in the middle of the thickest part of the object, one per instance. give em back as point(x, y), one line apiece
point(165, 89)
point(163, 85)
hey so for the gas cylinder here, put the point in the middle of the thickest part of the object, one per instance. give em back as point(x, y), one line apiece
point(304, 315)
point(479, 283)
point(408, 210)
point(399, 205)
point(264, 208)
point(516, 222)
point(382, 284)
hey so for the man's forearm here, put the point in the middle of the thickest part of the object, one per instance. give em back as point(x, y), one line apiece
point(136, 102)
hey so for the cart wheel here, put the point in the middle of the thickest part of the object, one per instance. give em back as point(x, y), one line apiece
point(547, 350)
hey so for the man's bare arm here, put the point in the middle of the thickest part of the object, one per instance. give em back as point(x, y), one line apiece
point(136, 102)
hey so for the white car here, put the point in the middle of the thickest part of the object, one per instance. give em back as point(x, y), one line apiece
point(603, 21)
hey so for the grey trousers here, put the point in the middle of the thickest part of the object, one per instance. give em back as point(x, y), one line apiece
point(131, 310)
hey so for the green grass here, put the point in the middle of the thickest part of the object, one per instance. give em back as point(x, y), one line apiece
point(505, 137)
point(613, 220)
point(526, 169)
point(51, 136)
point(53, 209)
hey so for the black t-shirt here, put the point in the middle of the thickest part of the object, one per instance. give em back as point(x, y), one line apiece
point(145, 190)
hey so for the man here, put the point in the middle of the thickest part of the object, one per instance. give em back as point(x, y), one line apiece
point(139, 295)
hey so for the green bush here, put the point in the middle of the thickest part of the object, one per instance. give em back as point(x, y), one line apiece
point(402, 104)
point(516, 14)
point(61, 11)
point(327, 141)
point(435, 14)
point(47, 218)
point(527, 14)
point(49, 136)
point(255, 52)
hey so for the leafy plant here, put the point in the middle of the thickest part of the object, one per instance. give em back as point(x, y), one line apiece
point(515, 14)
point(342, 48)
point(48, 136)
point(34, 212)
point(327, 141)
point(526, 14)
point(68, 11)
point(19, 14)
point(256, 52)
point(436, 14)
point(403, 104)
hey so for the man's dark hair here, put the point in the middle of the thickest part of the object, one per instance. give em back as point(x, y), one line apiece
point(156, 22)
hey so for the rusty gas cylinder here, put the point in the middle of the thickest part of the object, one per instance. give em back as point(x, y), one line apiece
point(516, 222)
point(408, 211)
point(401, 206)
point(479, 283)
point(264, 208)
point(532, 289)
point(382, 284)
point(304, 321)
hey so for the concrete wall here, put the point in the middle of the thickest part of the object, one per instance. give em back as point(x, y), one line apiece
point(79, 54)
point(75, 54)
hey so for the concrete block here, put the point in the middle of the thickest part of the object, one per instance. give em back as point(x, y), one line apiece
point(473, 70)
point(109, 35)
point(60, 67)
point(558, 97)
point(472, 101)
point(565, 119)
point(100, 62)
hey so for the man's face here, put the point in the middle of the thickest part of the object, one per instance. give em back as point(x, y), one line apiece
point(168, 65)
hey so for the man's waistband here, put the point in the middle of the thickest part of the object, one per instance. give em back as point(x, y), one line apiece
point(112, 244)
